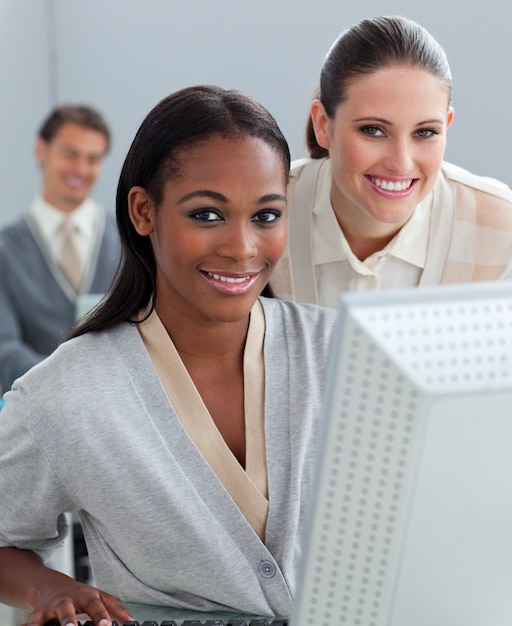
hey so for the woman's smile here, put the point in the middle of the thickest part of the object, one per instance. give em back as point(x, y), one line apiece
point(392, 188)
point(230, 284)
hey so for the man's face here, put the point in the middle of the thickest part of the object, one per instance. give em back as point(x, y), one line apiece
point(71, 162)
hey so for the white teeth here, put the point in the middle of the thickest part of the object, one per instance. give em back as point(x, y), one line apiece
point(390, 186)
point(228, 279)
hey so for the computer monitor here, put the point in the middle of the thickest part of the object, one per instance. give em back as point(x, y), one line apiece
point(411, 511)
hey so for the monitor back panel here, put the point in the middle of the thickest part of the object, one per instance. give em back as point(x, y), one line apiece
point(411, 515)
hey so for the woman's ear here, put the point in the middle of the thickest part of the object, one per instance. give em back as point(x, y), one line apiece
point(141, 211)
point(321, 124)
point(449, 117)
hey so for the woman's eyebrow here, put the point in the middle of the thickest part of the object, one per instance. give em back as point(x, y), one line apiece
point(381, 120)
point(272, 197)
point(203, 193)
point(215, 195)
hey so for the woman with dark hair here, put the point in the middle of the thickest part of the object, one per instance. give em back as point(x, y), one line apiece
point(179, 420)
point(375, 206)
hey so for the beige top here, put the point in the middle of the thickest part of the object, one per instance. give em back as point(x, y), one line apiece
point(336, 267)
point(461, 232)
point(248, 487)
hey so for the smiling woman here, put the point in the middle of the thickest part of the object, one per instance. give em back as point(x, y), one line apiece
point(185, 465)
point(211, 244)
point(375, 206)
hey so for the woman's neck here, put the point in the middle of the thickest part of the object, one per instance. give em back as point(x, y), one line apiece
point(364, 234)
point(200, 340)
point(364, 245)
point(213, 355)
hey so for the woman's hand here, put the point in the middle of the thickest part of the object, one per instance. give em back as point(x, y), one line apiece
point(63, 599)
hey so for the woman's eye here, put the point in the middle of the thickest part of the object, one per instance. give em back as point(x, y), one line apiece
point(206, 216)
point(427, 132)
point(267, 217)
point(373, 131)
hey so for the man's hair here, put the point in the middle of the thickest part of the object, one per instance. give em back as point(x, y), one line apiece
point(80, 114)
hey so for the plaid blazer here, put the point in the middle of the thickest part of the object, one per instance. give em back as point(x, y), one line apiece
point(470, 233)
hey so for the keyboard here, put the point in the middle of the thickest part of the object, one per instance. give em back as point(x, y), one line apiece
point(207, 622)
point(235, 621)
point(154, 615)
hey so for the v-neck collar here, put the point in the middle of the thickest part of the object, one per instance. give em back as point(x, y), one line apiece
point(249, 487)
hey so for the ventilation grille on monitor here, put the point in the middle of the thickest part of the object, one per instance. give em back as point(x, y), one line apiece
point(446, 344)
point(370, 449)
point(391, 362)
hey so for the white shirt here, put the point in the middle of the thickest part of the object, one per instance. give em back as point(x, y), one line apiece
point(49, 220)
point(399, 264)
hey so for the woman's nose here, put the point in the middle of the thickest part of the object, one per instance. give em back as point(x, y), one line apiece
point(399, 158)
point(238, 244)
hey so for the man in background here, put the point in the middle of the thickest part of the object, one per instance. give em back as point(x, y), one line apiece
point(65, 247)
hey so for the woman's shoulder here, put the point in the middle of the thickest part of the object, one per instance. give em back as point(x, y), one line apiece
point(307, 176)
point(311, 318)
point(77, 359)
point(455, 174)
point(305, 165)
point(299, 332)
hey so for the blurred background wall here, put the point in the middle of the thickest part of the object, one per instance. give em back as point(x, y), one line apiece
point(123, 56)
